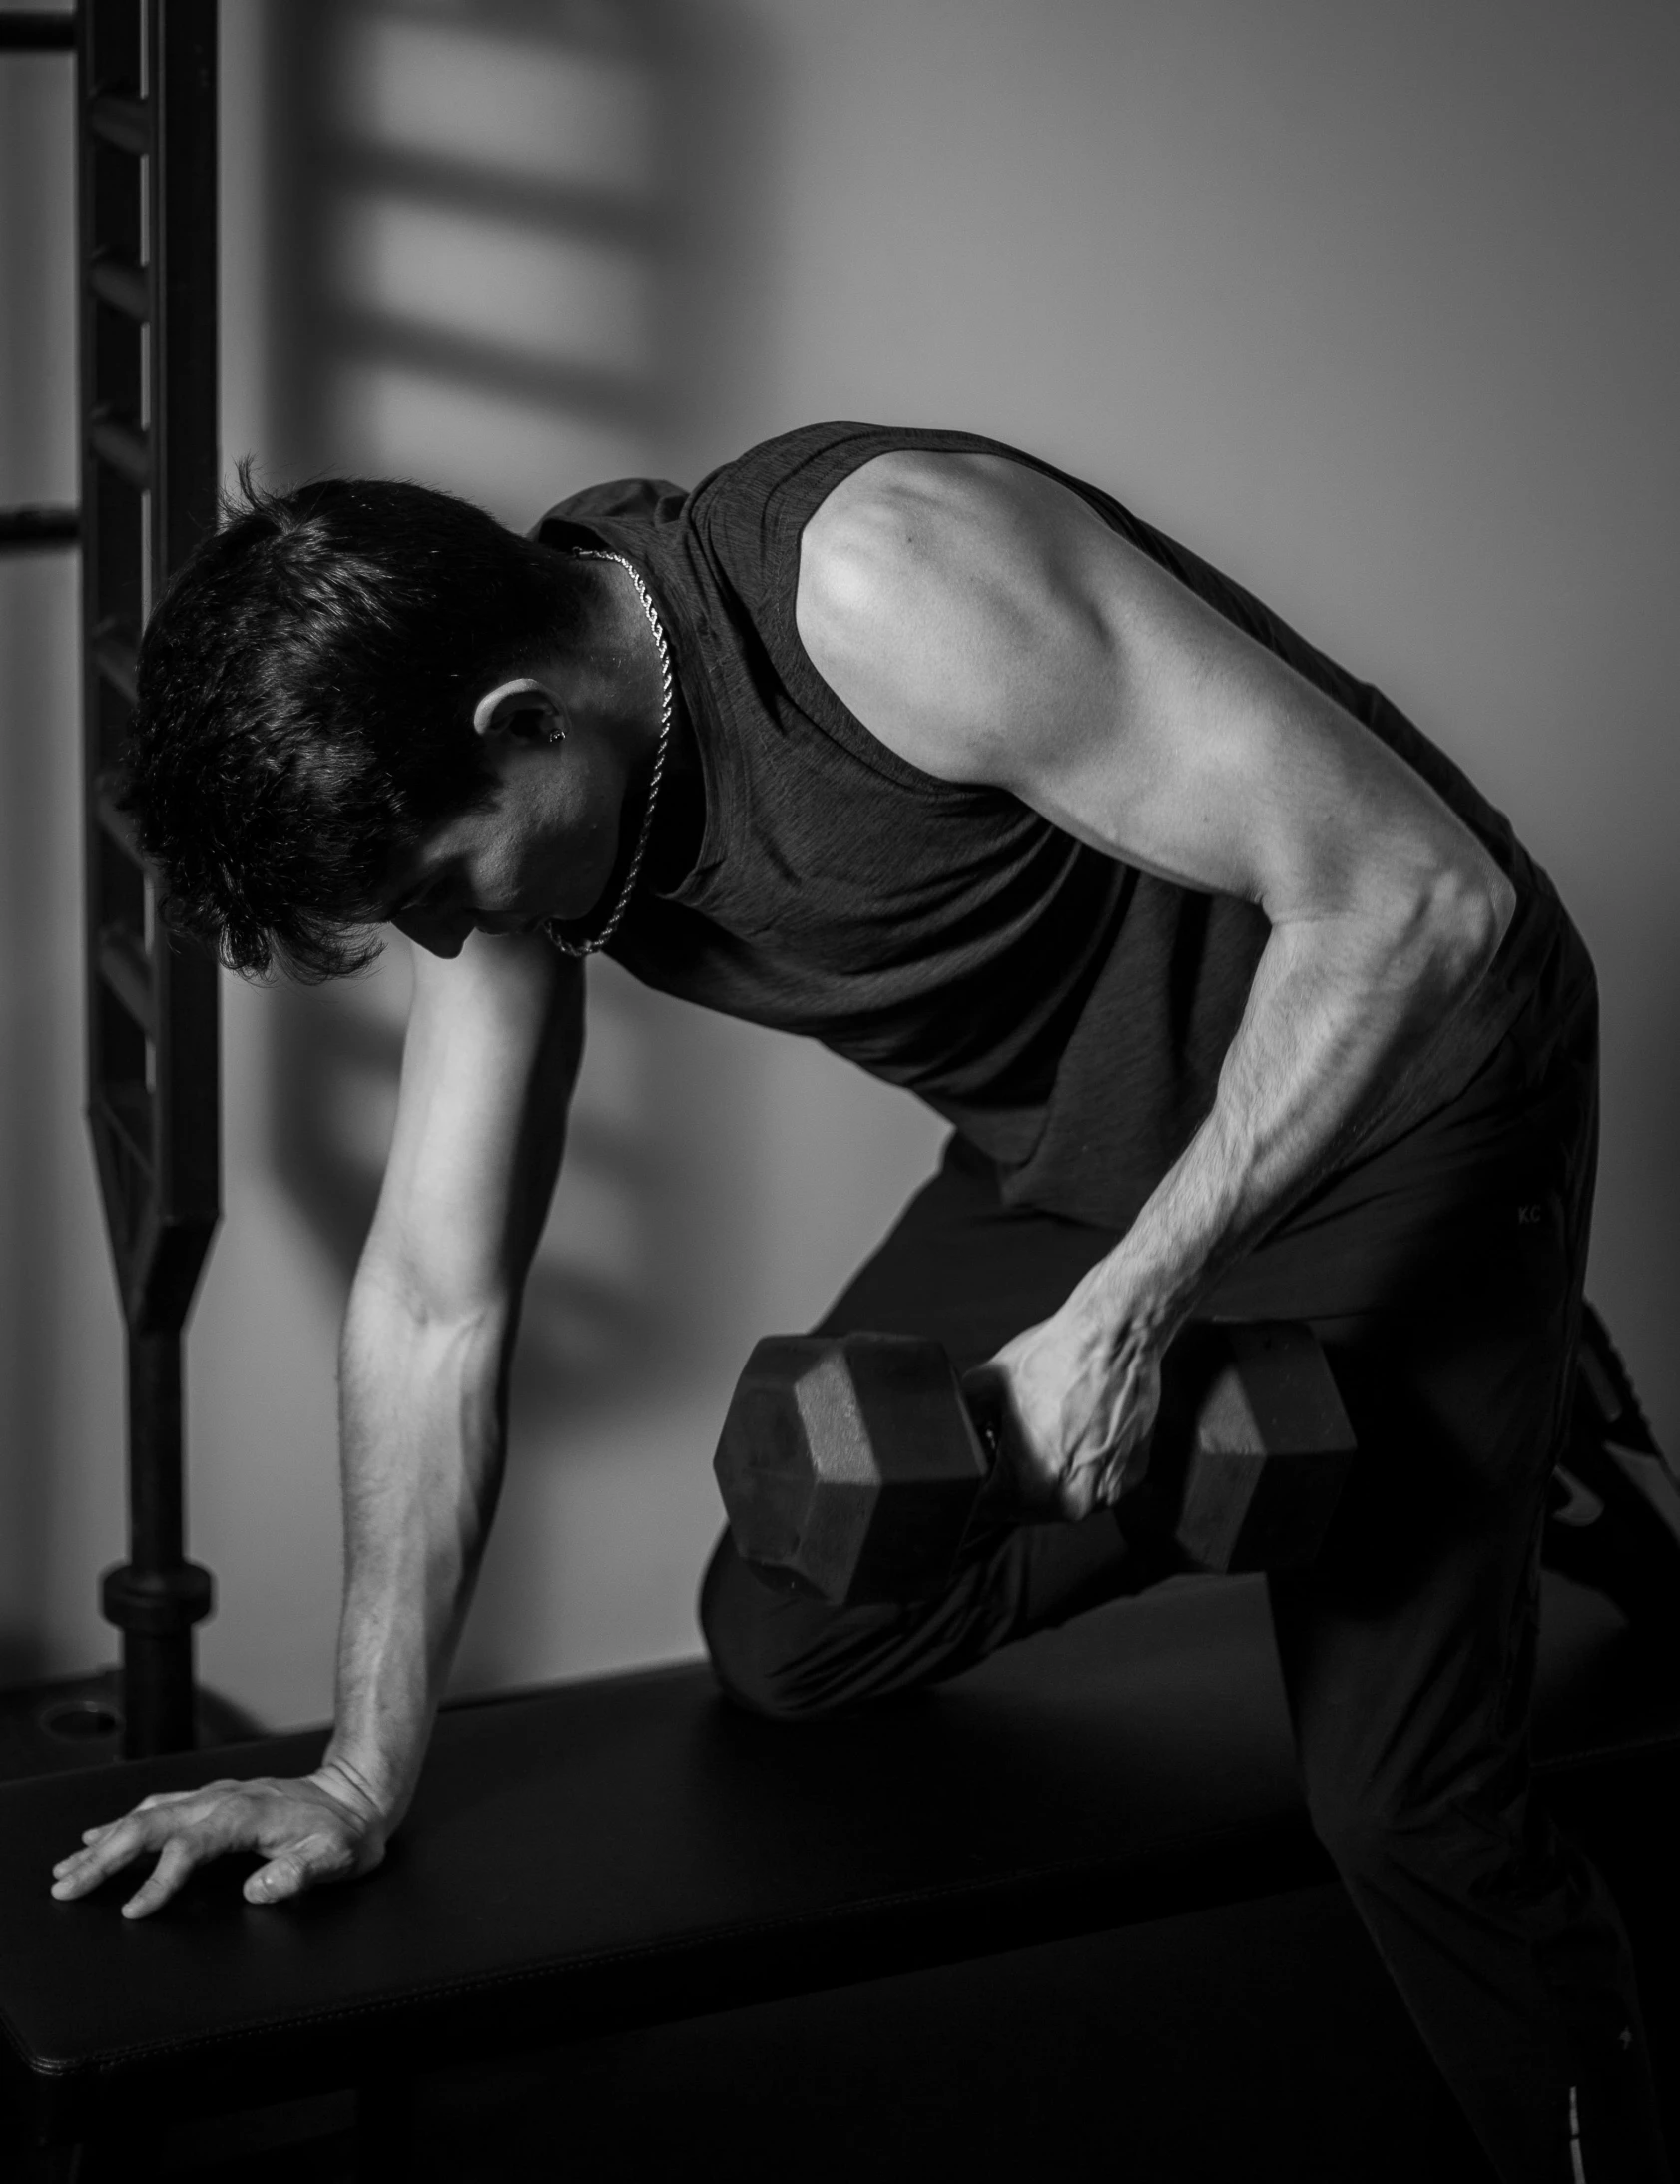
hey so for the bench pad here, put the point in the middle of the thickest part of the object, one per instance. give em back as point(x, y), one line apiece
point(625, 1850)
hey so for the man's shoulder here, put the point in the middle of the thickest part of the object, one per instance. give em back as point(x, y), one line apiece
point(828, 492)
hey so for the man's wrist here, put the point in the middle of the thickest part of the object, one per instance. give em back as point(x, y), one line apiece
point(372, 1786)
point(1140, 1298)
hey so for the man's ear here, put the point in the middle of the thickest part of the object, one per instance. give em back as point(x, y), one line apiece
point(521, 708)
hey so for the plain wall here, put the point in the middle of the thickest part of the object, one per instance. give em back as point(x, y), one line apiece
point(1376, 308)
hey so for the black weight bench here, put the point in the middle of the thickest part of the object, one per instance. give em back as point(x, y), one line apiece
point(617, 1852)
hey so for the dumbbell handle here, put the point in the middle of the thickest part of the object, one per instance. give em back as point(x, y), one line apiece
point(1234, 1394)
point(853, 1465)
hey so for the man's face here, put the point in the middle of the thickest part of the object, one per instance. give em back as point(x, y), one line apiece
point(542, 847)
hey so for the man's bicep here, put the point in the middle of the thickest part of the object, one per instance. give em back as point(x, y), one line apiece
point(494, 1041)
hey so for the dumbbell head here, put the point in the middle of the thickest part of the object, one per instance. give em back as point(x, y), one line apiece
point(1251, 1449)
point(850, 1465)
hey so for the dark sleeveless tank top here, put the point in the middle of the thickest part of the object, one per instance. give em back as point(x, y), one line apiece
point(1067, 1012)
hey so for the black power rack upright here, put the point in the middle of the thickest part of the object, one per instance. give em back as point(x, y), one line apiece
point(147, 194)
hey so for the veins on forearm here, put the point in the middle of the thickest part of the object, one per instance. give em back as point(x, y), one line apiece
point(1328, 1032)
point(422, 1441)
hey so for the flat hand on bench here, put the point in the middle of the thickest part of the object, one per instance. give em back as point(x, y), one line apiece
point(313, 1828)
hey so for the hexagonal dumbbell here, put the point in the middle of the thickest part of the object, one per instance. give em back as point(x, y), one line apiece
point(850, 1465)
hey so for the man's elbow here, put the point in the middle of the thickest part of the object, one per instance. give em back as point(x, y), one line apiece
point(1466, 913)
point(398, 1301)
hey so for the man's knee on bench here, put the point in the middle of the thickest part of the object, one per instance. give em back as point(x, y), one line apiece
point(787, 1657)
point(791, 1657)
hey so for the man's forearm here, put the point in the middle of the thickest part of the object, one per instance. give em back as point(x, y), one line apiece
point(422, 1447)
point(1339, 1013)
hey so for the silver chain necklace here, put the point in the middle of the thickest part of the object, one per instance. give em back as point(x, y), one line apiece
point(666, 702)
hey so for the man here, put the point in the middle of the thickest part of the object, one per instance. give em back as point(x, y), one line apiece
point(1238, 995)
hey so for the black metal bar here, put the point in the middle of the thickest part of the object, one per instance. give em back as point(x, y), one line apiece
point(157, 1596)
point(126, 969)
point(127, 452)
point(23, 530)
point(112, 35)
point(125, 124)
point(184, 254)
point(114, 655)
point(114, 822)
point(186, 507)
point(129, 1120)
point(122, 285)
point(38, 30)
point(109, 217)
point(149, 469)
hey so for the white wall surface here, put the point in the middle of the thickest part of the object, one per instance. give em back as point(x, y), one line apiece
point(1376, 307)
point(61, 1509)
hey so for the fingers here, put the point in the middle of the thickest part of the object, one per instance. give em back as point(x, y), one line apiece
point(1098, 1478)
point(316, 1858)
point(108, 1851)
point(175, 1863)
point(197, 1818)
point(1119, 1470)
point(305, 1834)
point(278, 1879)
point(148, 1804)
point(1092, 1465)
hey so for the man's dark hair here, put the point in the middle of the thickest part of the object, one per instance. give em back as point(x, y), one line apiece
point(304, 708)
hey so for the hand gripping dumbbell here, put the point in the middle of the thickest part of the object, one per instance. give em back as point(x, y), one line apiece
point(850, 1465)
